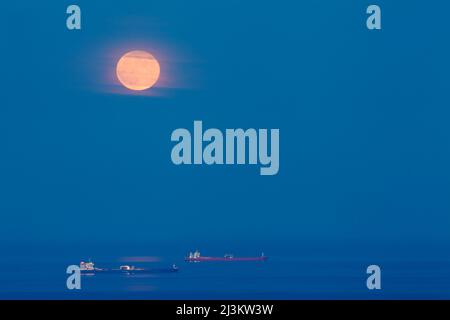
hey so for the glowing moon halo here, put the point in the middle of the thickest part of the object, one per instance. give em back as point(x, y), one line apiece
point(138, 70)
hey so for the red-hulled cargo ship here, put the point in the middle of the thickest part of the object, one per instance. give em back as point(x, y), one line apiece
point(196, 257)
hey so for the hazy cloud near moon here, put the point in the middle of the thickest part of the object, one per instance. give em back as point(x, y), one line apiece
point(98, 68)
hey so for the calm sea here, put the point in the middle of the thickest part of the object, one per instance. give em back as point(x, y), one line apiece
point(40, 274)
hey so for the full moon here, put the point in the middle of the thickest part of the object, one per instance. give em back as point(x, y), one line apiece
point(138, 70)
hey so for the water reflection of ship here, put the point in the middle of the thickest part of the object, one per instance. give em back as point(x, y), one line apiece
point(196, 257)
point(89, 268)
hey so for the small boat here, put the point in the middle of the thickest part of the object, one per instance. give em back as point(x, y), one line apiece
point(89, 268)
point(196, 257)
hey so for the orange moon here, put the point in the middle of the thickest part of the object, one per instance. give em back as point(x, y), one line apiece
point(138, 70)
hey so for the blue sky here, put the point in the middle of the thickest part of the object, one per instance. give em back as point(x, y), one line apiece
point(363, 119)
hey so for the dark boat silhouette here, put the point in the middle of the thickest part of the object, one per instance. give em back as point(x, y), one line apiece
point(196, 257)
point(89, 268)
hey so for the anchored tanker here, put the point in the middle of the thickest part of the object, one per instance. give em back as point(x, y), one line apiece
point(196, 257)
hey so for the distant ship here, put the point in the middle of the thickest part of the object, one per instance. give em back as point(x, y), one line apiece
point(89, 268)
point(196, 257)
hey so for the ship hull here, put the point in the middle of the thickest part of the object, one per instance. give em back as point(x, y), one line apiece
point(206, 259)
